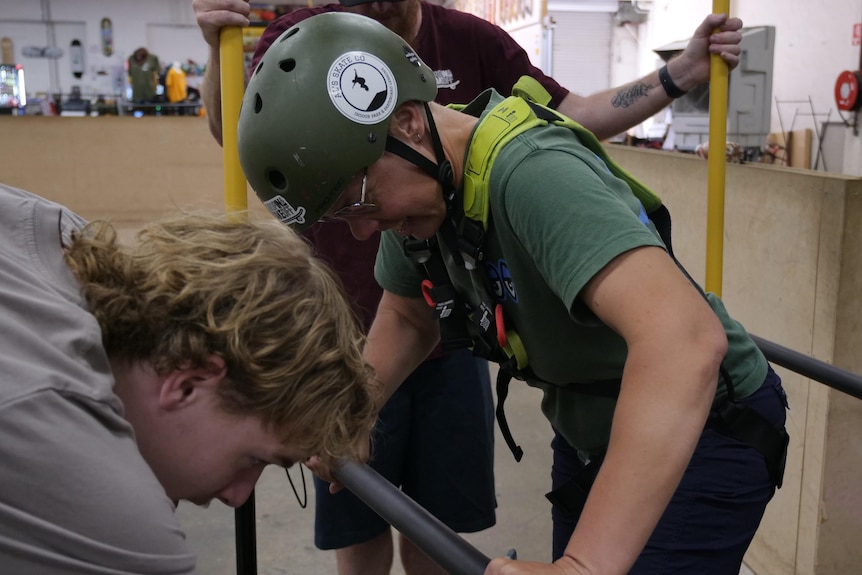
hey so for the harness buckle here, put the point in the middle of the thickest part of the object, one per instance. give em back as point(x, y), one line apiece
point(471, 236)
point(418, 250)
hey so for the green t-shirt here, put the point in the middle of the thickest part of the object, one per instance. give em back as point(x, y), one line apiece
point(558, 216)
point(144, 78)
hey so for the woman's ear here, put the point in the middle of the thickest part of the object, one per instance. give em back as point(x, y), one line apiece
point(183, 385)
point(408, 122)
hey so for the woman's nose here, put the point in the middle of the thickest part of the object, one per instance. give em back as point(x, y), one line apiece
point(362, 228)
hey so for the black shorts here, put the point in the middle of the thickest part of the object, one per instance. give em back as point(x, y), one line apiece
point(434, 439)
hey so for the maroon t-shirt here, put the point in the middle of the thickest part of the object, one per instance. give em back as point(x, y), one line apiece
point(468, 55)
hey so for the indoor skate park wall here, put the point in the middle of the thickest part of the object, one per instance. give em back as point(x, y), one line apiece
point(792, 275)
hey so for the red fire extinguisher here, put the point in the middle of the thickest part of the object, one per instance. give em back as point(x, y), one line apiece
point(847, 90)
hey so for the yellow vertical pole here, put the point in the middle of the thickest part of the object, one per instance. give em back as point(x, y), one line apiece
point(232, 83)
point(718, 85)
point(232, 87)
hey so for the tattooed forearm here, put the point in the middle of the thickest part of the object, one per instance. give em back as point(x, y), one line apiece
point(628, 95)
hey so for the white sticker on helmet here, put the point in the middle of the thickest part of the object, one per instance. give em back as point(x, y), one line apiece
point(362, 87)
point(284, 212)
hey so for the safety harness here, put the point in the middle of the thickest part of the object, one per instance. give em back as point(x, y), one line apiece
point(483, 327)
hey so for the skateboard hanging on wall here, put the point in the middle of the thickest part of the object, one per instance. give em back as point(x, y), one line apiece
point(7, 54)
point(76, 58)
point(107, 29)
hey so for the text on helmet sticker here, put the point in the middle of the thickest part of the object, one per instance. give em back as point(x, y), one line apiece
point(284, 212)
point(362, 87)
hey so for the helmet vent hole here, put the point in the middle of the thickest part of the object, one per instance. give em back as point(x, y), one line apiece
point(258, 103)
point(259, 66)
point(289, 34)
point(277, 180)
point(287, 65)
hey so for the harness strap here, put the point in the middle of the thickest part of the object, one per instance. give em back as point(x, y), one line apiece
point(745, 424)
point(448, 307)
point(504, 376)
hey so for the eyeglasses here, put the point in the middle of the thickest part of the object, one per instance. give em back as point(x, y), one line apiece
point(359, 208)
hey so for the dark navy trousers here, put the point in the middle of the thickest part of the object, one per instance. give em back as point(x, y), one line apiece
point(715, 511)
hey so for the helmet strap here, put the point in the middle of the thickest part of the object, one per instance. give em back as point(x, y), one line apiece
point(441, 171)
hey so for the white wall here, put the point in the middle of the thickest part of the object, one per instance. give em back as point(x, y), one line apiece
point(165, 27)
point(813, 44)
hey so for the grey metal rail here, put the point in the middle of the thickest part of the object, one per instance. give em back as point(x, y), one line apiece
point(438, 541)
point(815, 369)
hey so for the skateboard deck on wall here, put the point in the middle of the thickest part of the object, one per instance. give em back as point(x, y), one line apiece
point(107, 29)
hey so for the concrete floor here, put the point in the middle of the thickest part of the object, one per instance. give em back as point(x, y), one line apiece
point(285, 530)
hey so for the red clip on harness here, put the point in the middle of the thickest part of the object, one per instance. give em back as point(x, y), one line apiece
point(427, 287)
point(501, 327)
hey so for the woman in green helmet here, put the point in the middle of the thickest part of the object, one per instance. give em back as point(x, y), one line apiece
point(643, 374)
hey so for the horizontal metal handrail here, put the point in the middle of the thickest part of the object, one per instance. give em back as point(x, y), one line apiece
point(454, 554)
point(825, 373)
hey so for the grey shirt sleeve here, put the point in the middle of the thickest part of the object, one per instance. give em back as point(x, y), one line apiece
point(77, 496)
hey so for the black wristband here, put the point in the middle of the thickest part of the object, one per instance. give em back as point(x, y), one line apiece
point(670, 88)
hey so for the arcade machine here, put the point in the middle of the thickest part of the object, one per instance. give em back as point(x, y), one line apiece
point(13, 94)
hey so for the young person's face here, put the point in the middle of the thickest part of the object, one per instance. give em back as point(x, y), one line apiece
point(221, 456)
point(197, 450)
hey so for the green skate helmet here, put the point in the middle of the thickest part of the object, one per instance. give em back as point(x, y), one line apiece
point(317, 109)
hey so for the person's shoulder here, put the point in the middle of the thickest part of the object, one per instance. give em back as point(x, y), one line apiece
point(11, 196)
point(288, 19)
point(275, 28)
point(444, 16)
point(452, 23)
point(9, 192)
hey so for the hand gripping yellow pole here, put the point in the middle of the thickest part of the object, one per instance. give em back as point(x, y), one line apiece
point(232, 87)
point(718, 82)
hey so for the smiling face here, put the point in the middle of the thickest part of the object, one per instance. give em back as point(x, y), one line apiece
point(405, 199)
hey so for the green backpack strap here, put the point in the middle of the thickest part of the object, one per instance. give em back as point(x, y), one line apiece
point(506, 120)
point(524, 110)
point(531, 90)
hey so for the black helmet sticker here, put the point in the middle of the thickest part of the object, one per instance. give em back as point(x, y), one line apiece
point(362, 87)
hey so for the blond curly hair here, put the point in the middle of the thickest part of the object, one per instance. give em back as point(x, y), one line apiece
point(250, 292)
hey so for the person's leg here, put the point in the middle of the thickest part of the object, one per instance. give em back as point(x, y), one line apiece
point(449, 468)
point(362, 540)
point(434, 439)
point(450, 461)
point(717, 508)
point(568, 504)
point(372, 557)
point(715, 511)
point(415, 561)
